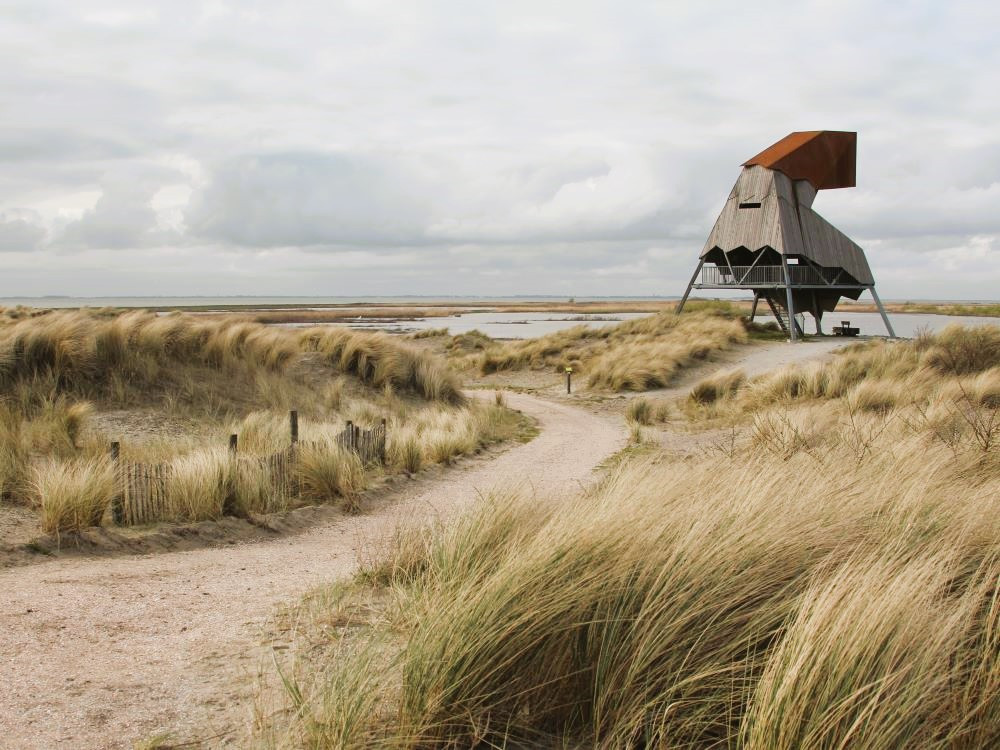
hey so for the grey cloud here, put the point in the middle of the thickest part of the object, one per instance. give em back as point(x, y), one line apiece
point(55, 145)
point(20, 231)
point(517, 148)
point(302, 198)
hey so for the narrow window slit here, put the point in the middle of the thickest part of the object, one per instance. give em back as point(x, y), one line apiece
point(750, 204)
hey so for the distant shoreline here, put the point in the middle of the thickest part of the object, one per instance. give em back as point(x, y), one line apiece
point(318, 309)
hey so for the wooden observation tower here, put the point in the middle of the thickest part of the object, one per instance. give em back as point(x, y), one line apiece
point(768, 240)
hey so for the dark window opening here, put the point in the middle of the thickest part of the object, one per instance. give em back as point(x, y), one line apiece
point(750, 204)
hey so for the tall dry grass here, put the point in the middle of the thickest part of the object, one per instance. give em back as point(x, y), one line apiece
point(206, 482)
point(13, 455)
point(436, 437)
point(379, 359)
point(636, 355)
point(55, 366)
point(104, 354)
point(957, 364)
point(328, 473)
point(829, 579)
point(72, 495)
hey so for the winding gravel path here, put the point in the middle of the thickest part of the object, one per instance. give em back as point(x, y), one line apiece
point(101, 653)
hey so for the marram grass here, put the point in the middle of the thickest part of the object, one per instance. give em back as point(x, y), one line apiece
point(636, 355)
point(830, 582)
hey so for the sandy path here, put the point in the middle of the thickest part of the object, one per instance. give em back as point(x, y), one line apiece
point(759, 358)
point(100, 653)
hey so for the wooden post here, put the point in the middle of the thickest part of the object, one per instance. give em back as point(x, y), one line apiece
point(350, 435)
point(117, 505)
point(293, 419)
point(385, 439)
point(569, 380)
point(232, 443)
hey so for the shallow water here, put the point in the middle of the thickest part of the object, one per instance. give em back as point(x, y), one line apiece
point(502, 325)
point(906, 325)
point(531, 325)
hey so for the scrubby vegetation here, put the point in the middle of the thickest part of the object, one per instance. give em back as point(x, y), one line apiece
point(718, 386)
point(977, 309)
point(826, 579)
point(60, 370)
point(635, 355)
point(644, 411)
point(956, 366)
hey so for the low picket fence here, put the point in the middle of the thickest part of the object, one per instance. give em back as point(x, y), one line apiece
point(142, 489)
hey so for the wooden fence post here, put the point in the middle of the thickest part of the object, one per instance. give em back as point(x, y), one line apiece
point(350, 435)
point(385, 439)
point(232, 443)
point(117, 506)
point(293, 418)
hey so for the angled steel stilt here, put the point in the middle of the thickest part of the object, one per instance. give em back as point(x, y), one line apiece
point(753, 310)
point(680, 305)
point(885, 318)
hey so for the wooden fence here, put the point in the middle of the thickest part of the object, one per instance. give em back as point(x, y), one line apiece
point(368, 444)
point(141, 494)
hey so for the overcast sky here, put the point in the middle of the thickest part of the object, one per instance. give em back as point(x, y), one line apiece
point(577, 148)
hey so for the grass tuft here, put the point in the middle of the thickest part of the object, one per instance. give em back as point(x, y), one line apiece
point(72, 495)
point(717, 387)
point(328, 474)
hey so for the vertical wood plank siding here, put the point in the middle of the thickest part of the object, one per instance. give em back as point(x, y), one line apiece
point(784, 222)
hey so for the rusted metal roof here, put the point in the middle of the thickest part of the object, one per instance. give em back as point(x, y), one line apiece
point(826, 158)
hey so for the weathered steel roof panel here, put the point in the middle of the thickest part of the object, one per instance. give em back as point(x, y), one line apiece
point(826, 158)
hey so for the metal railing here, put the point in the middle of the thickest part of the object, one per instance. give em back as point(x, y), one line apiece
point(766, 276)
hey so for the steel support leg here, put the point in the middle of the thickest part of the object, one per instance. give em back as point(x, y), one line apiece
point(792, 326)
point(885, 318)
point(753, 310)
point(680, 305)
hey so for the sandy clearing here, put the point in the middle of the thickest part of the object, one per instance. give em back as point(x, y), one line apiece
point(101, 653)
